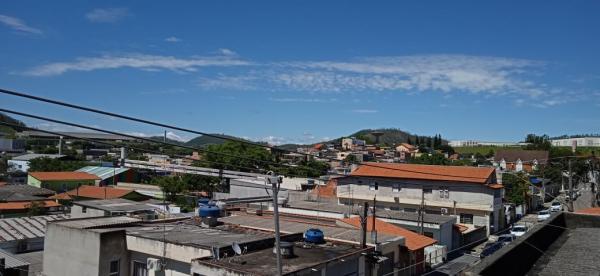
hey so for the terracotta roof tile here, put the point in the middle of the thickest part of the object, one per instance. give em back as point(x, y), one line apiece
point(413, 241)
point(590, 211)
point(25, 205)
point(53, 176)
point(425, 172)
point(94, 192)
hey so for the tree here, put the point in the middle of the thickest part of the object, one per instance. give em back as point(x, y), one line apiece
point(237, 156)
point(417, 142)
point(408, 141)
point(45, 164)
point(537, 142)
point(431, 159)
point(516, 187)
point(36, 208)
point(170, 185)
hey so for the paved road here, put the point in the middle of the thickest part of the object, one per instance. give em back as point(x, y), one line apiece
point(585, 200)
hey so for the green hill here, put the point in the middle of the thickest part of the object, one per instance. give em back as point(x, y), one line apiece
point(10, 120)
point(203, 140)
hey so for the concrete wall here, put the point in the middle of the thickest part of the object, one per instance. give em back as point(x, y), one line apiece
point(176, 252)
point(173, 268)
point(77, 212)
point(113, 247)
point(71, 251)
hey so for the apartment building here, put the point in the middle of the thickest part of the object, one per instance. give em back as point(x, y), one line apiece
point(471, 194)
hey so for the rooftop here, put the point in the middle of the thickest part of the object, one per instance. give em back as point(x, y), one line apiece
point(590, 211)
point(22, 205)
point(12, 229)
point(95, 192)
point(116, 205)
point(426, 172)
point(261, 262)
point(413, 241)
point(55, 176)
point(103, 172)
point(35, 260)
point(12, 261)
point(27, 190)
point(526, 156)
point(29, 156)
point(91, 223)
point(291, 226)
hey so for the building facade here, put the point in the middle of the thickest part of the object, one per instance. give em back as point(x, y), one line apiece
point(470, 194)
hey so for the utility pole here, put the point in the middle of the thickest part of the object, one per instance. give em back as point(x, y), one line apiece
point(275, 182)
point(570, 188)
point(373, 231)
point(60, 142)
point(421, 211)
point(363, 225)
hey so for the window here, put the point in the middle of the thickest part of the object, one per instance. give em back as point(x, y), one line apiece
point(83, 209)
point(444, 193)
point(114, 268)
point(466, 218)
point(373, 186)
point(139, 269)
point(427, 190)
point(428, 234)
point(395, 188)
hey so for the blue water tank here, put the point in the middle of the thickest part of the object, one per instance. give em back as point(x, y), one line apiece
point(314, 235)
point(209, 211)
point(203, 201)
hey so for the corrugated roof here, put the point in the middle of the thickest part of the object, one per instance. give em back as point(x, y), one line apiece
point(526, 156)
point(27, 190)
point(14, 228)
point(426, 172)
point(103, 172)
point(29, 156)
point(11, 261)
point(54, 176)
point(89, 223)
point(413, 240)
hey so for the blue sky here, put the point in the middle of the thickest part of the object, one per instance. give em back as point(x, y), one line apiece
point(302, 71)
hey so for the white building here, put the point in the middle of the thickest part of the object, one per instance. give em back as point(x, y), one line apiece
point(469, 193)
point(474, 143)
point(21, 163)
point(580, 142)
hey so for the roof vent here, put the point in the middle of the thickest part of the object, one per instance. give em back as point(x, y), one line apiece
point(286, 249)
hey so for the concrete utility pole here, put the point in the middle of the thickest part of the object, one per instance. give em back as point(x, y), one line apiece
point(275, 181)
point(421, 211)
point(123, 157)
point(363, 225)
point(570, 188)
point(60, 142)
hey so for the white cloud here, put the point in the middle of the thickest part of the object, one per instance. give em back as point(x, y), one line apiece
point(136, 61)
point(227, 52)
point(365, 111)
point(170, 135)
point(110, 15)
point(303, 100)
point(18, 25)
point(172, 39)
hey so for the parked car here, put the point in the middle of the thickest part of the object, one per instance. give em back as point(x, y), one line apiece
point(490, 248)
point(556, 206)
point(543, 215)
point(506, 238)
point(518, 230)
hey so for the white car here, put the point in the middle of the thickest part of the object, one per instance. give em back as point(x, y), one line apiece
point(518, 230)
point(556, 206)
point(543, 215)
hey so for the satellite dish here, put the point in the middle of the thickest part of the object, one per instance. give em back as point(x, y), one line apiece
point(236, 248)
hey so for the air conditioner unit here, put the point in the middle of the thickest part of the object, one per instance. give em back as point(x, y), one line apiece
point(154, 264)
point(444, 211)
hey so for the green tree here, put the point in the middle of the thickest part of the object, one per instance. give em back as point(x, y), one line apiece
point(45, 164)
point(433, 159)
point(538, 142)
point(516, 187)
point(171, 186)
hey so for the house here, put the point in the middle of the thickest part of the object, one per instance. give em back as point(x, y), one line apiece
point(22, 207)
point(21, 163)
point(125, 246)
point(26, 190)
point(96, 192)
point(111, 175)
point(352, 143)
point(520, 160)
point(61, 181)
point(115, 207)
point(10, 145)
point(470, 194)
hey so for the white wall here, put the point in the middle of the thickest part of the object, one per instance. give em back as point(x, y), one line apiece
point(18, 165)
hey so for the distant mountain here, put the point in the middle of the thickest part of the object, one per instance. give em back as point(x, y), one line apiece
point(7, 119)
point(203, 140)
point(162, 139)
point(390, 136)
